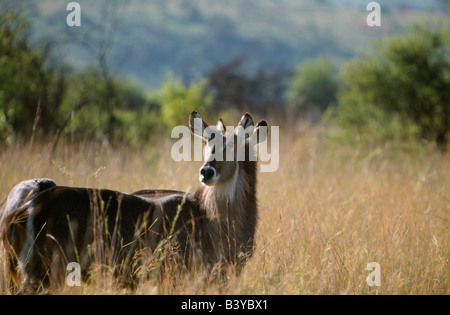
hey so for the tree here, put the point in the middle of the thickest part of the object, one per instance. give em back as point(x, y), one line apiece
point(233, 87)
point(30, 89)
point(314, 85)
point(409, 76)
point(178, 101)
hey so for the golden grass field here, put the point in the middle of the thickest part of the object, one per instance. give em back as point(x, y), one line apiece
point(325, 214)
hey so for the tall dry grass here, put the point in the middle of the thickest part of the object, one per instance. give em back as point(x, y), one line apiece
point(324, 215)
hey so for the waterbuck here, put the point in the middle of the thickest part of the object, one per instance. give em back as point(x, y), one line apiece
point(213, 226)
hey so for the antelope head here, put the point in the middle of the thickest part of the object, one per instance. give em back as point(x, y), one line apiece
point(226, 147)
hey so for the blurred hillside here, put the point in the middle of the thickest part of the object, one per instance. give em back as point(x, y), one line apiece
point(147, 39)
point(139, 67)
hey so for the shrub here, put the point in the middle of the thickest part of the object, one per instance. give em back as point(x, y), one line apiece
point(402, 89)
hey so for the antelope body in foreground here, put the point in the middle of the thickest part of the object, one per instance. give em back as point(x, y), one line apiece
point(214, 225)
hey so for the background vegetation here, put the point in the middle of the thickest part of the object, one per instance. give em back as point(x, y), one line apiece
point(396, 90)
point(364, 117)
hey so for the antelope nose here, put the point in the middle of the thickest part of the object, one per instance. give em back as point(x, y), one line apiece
point(207, 172)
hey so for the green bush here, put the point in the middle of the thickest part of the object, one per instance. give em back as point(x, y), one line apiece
point(401, 91)
point(368, 125)
point(314, 85)
point(178, 101)
point(30, 89)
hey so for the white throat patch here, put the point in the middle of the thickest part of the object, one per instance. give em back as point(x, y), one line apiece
point(228, 190)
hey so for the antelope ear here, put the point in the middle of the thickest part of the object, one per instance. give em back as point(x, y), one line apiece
point(260, 133)
point(221, 126)
point(198, 126)
point(245, 127)
point(246, 121)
